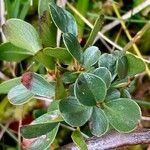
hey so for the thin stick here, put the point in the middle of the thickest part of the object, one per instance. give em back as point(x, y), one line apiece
point(91, 26)
point(130, 13)
point(114, 139)
point(129, 36)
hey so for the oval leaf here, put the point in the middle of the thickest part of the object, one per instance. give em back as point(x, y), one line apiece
point(90, 89)
point(19, 95)
point(22, 34)
point(6, 86)
point(17, 54)
point(73, 46)
point(123, 114)
point(104, 74)
point(43, 143)
point(79, 140)
point(135, 64)
point(98, 123)
point(38, 85)
point(63, 19)
point(108, 61)
point(71, 109)
point(91, 56)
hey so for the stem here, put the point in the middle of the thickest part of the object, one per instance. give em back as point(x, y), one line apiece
point(113, 140)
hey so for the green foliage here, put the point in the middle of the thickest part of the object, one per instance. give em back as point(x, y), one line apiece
point(91, 88)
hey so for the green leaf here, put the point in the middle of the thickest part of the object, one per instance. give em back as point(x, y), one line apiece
point(71, 109)
point(90, 89)
point(108, 61)
point(69, 77)
point(17, 54)
point(47, 30)
point(79, 140)
point(19, 95)
point(63, 19)
point(122, 68)
point(44, 124)
point(98, 123)
point(45, 60)
point(73, 46)
point(6, 86)
point(104, 74)
point(59, 53)
point(54, 105)
point(43, 143)
point(22, 34)
point(38, 85)
point(135, 65)
point(97, 27)
point(123, 114)
point(112, 94)
point(125, 93)
point(91, 56)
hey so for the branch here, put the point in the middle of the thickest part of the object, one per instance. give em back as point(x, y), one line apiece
point(114, 139)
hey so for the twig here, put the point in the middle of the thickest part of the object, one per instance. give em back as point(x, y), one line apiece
point(143, 118)
point(135, 48)
point(130, 13)
point(91, 26)
point(114, 139)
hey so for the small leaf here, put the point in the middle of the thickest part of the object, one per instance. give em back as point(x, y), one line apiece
point(45, 60)
point(98, 123)
point(38, 85)
point(125, 93)
point(69, 77)
point(122, 67)
point(19, 95)
point(108, 61)
point(47, 29)
point(71, 109)
point(91, 56)
point(90, 89)
point(135, 64)
point(6, 86)
point(44, 124)
point(123, 114)
point(73, 46)
point(104, 74)
point(79, 140)
point(112, 94)
point(43, 143)
point(63, 19)
point(22, 34)
point(59, 53)
point(54, 105)
point(17, 54)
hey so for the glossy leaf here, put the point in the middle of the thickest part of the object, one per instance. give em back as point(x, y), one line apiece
point(108, 61)
point(112, 94)
point(123, 114)
point(91, 56)
point(104, 74)
point(6, 86)
point(122, 68)
point(90, 89)
point(38, 85)
point(19, 95)
point(59, 53)
point(135, 65)
point(22, 34)
point(63, 19)
point(73, 46)
point(79, 140)
point(17, 54)
point(44, 124)
point(43, 143)
point(71, 109)
point(98, 123)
